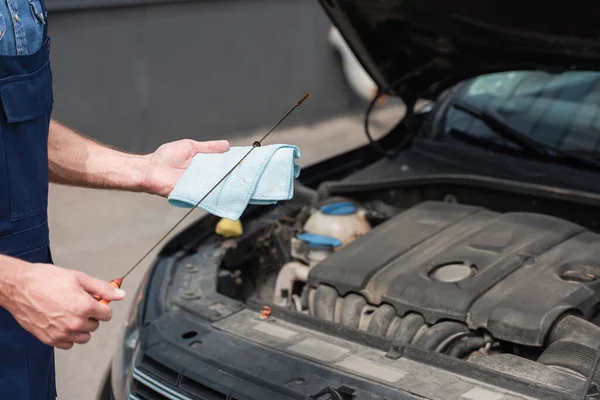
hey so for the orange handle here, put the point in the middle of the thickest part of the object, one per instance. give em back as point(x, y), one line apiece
point(116, 283)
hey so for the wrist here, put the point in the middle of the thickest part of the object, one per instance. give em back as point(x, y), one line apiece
point(11, 279)
point(138, 174)
point(147, 181)
point(127, 172)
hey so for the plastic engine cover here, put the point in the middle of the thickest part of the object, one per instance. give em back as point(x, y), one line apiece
point(512, 274)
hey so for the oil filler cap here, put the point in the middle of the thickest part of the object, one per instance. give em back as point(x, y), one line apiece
point(452, 272)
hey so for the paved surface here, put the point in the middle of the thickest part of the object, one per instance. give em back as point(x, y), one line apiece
point(102, 233)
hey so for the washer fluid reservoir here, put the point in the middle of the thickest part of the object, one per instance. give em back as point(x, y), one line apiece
point(341, 220)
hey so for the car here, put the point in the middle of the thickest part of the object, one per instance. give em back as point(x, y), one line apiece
point(454, 258)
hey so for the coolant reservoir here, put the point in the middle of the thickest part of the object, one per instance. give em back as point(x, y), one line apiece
point(341, 220)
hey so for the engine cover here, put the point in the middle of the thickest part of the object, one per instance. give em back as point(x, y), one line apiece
point(510, 273)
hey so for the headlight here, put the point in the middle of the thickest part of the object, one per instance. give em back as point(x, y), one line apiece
point(126, 345)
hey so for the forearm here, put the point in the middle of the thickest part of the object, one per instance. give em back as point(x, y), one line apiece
point(10, 270)
point(80, 161)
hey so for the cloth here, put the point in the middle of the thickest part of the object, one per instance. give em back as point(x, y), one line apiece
point(266, 176)
point(26, 99)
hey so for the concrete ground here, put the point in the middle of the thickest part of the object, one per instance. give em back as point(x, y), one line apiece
point(103, 233)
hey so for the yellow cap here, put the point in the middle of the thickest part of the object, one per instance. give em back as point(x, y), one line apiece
point(228, 228)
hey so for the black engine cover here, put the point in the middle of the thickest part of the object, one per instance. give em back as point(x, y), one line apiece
point(519, 262)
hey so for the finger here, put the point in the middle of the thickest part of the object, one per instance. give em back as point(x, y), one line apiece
point(64, 345)
point(213, 146)
point(100, 288)
point(95, 310)
point(79, 337)
point(90, 325)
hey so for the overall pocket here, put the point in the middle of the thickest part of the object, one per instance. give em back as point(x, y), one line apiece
point(37, 11)
point(27, 106)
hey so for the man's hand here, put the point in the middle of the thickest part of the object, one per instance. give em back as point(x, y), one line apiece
point(169, 161)
point(56, 305)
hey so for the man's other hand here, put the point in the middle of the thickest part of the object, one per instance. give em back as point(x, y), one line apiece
point(57, 306)
point(169, 162)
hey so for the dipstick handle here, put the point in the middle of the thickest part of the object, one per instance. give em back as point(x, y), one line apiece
point(116, 283)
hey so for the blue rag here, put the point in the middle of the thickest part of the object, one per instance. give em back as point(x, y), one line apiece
point(266, 176)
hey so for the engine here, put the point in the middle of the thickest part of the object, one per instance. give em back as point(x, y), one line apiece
point(450, 278)
point(510, 274)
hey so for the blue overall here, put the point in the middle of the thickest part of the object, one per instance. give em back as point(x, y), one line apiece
point(26, 99)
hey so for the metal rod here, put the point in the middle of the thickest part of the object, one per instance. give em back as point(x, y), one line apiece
point(254, 145)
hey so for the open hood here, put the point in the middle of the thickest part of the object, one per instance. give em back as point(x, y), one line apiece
point(418, 48)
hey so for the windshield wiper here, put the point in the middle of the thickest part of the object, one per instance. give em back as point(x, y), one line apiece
point(498, 124)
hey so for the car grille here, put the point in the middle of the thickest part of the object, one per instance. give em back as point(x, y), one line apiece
point(155, 381)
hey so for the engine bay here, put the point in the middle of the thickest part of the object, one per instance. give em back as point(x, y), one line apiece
point(437, 274)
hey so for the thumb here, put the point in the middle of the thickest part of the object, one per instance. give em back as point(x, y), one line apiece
point(100, 288)
point(213, 146)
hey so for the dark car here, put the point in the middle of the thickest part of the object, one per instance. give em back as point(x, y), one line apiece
point(456, 258)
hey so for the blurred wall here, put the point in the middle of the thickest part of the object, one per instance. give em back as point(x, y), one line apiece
point(137, 76)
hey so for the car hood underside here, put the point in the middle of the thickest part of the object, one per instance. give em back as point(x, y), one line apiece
point(417, 48)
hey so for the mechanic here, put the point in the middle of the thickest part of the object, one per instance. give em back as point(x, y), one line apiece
point(43, 306)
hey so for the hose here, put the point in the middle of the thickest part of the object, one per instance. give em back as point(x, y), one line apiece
point(408, 328)
point(575, 329)
point(437, 333)
point(351, 310)
point(324, 302)
point(466, 345)
point(408, 102)
point(304, 193)
point(575, 345)
point(381, 320)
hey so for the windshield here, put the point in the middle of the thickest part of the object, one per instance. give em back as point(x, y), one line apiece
point(557, 110)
